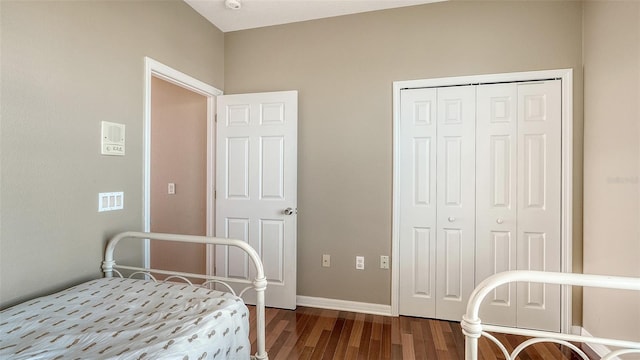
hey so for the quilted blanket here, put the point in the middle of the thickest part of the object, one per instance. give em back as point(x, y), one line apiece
point(116, 318)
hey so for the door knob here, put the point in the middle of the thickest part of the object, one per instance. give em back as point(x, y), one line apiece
point(499, 220)
point(451, 219)
point(289, 211)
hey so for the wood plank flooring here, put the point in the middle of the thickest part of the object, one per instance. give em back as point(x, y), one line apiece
point(310, 333)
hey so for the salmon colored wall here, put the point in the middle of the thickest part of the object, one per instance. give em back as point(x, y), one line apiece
point(178, 155)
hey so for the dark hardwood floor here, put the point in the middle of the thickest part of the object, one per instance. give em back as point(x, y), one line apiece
point(310, 333)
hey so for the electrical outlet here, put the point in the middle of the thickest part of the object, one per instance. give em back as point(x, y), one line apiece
point(326, 260)
point(359, 262)
point(384, 262)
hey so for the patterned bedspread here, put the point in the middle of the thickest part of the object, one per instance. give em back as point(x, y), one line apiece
point(127, 319)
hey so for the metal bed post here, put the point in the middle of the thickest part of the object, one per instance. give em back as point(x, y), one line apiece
point(472, 327)
point(260, 284)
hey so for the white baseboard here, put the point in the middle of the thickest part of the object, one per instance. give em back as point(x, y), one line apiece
point(576, 330)
point(344, 305)
point(599, 349)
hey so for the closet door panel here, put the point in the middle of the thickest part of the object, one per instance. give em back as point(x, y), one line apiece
point(539, 211)
point(453, 270)
point(496, 178)
point(417, 178)
point(452, 170)
point(455, 200)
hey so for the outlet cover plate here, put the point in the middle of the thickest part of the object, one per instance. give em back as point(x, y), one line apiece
point(326, 260)
point(110, 201)
point(384, 262)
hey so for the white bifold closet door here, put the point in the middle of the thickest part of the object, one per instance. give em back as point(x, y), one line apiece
point(438, 205)
point(417, 154)
point(455, 242)
point(518, 214)
point(479, 187)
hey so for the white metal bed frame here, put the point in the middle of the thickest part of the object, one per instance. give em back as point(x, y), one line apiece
point(473, 328)
point(109, 267)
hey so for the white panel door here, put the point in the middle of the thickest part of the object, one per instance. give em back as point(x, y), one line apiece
point(496, 212)
point(455, 244)
point(257, 189)
point(417, 147)
point(538, 198)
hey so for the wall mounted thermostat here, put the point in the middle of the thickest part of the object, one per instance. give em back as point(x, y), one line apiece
point(112, 139)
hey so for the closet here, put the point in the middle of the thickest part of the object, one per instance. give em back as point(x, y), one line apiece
point(479, 192)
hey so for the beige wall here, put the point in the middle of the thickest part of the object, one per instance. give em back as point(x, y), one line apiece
point(612, 163)
point(179, 156)
point(343, 68)
point(66, 66)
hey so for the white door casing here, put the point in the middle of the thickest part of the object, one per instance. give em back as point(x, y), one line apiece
point(256, 191)
point(455, 239)
point(153, 68)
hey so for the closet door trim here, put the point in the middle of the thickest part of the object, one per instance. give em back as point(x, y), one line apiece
point(566, 76)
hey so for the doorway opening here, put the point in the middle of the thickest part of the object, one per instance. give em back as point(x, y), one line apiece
point(154, 72)
point(178, 175)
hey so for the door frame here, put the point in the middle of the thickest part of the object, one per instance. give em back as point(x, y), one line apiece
point(566, 75)
point(153, 68)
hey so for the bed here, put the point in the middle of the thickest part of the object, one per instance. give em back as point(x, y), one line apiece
point(119, 317)
point(473, 328)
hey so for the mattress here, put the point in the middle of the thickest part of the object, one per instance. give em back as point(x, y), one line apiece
point(115, 318)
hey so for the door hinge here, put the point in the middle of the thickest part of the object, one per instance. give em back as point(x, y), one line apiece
point(215, 117)
point(215, 194)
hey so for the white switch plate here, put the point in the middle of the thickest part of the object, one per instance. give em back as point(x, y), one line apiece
point(110, 201)
point(326, 260)
point(384, 262)
point(171, 188)
point(359, 262)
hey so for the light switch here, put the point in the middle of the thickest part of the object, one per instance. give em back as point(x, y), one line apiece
point(110, 201)
point(171, 188)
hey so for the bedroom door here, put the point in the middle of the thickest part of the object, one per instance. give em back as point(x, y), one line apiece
point(256, 190)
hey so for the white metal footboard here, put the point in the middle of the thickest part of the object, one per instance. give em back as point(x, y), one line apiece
point(259, 284)
point(473, 328)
